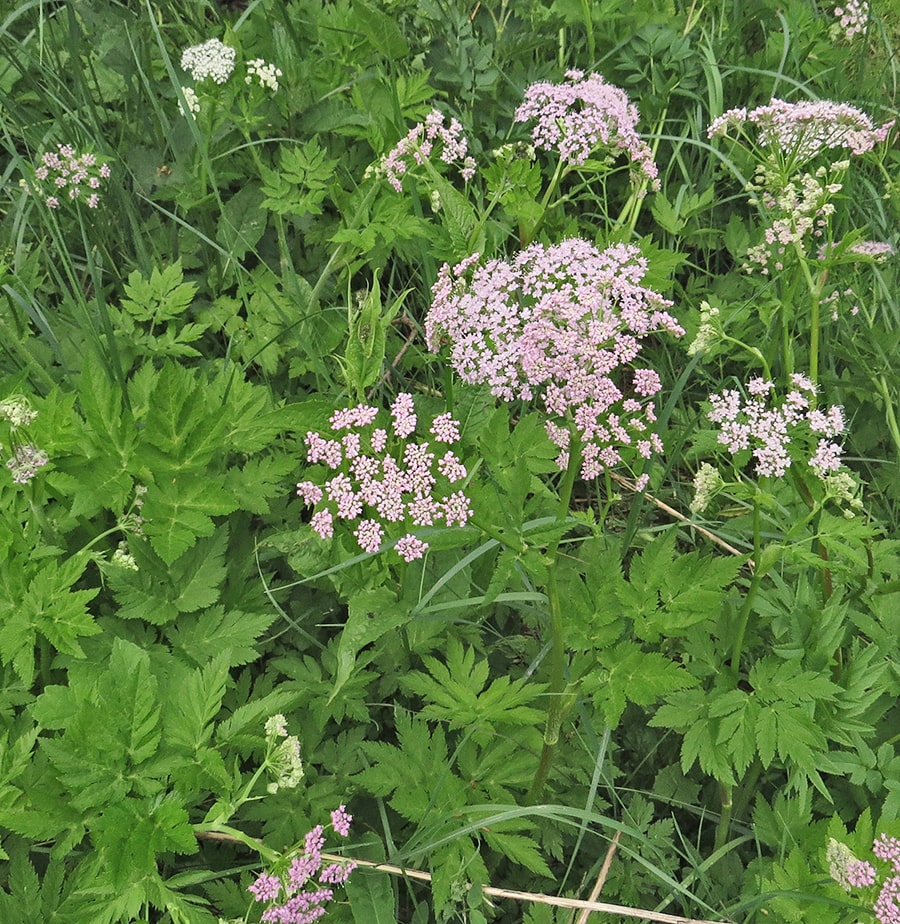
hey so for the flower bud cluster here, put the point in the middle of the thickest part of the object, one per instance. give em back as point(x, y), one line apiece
point(27, 459)
point(299, 893)
point(707, 483)
point(852, 873)
point(577, 117)
point(709, 331)
point(798, 210)
point(563, 325)
point(386, 483)
point(779, 432)
point(421, 142)
point(64, 174)
point(282, 755)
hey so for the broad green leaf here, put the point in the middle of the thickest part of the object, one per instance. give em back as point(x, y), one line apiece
point(179, 510)
point(160, 298)
point(521, 850)
point(181, 429)
point(637, 676)
point(371, 897)
point(381, 30)
point(300, 184)
point(372, 614)
point(242, 222)
point(201, 636)
point(188, 715)
point(48, 607)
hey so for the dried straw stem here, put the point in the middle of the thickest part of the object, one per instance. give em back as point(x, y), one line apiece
point(536, 897)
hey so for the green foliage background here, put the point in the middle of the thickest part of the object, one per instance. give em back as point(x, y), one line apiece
point(245, 274)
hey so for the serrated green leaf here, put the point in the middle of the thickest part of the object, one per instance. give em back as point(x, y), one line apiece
point(372, 613)
point(49, 607)
point(520, 849)
point(181, 431)
point(160, 298)
point(114, 732)
point(381, 30)
point(242, 222)
point(110, 425)
point(371, 897)
point(188, 716)
point(637, 676)
point(203, 635)
point(179, 511)
point(459, 693)
point(302, 181)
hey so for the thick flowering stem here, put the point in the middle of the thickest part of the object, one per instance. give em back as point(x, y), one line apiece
point(744, 618)
point(219, 831)
point(632, 208)
point(495, 532)
point(558, 702)
point(815, 287)
point(890, 416)
point(526, 235)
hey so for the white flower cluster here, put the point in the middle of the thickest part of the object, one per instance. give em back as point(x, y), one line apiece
point(707, 483)
point(709, 330)
point(266, 74)
point(211, 59)
point(282, 755)
point(191, 103)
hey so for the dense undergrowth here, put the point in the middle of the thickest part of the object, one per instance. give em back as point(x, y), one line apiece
point(480, 419)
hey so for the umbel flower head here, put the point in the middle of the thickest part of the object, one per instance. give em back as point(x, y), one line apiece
point(798, 132)
point(299, 893)
point(562, 325)
point(776, 431)
point(64, 174)
point(433, 137)
point(577, 117)
point(27, 459)
point(385, 483)
point(212, 59)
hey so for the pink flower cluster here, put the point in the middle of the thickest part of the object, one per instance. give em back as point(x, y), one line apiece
point(853, 17)
point(582, 114)
point(798, 132)
point(65, 173)
point(381, 483)
point(419, 144)
point(293, 896)
point(563, 324)
point(877, 251)
point(770, 430)
point(887, 905)
point(26, 460)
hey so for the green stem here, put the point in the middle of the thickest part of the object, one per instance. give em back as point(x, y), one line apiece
point(815, 288)
point(236, 834)
point(557, 707)
point(526, 239)
point(753, 351)
point(724, 824)
point(495, 532)
point(744, 619)
point(628, 217)
point(890, 416)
